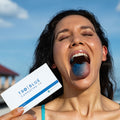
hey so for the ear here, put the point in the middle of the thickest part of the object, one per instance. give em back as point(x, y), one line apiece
point(105, 51)
point(53, 66)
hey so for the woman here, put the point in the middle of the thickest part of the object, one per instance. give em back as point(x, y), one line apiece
point(76, 49)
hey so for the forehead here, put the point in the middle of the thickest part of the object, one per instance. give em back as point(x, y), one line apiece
point(72, 20)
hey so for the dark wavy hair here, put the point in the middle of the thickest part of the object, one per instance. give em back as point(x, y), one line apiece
point(44, 50)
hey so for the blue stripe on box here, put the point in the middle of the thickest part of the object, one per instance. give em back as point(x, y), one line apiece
point(38, 94)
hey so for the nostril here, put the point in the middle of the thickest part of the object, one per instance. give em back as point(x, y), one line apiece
point(76, 44)
point(81, 43)
point(73, 44)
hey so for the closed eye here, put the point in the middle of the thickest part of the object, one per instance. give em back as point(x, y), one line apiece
point(62, 38)
point(87, 34)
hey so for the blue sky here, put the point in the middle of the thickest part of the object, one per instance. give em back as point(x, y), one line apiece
point(21, 22)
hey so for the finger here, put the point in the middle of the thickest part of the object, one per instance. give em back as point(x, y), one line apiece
point(14, 113)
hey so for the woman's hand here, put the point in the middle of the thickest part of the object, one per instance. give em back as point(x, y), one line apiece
point(16, 114)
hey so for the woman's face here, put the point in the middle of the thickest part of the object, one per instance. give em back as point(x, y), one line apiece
point(78, 51)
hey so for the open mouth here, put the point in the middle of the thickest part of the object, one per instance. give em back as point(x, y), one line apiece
point(79, 58)
point(80, 64)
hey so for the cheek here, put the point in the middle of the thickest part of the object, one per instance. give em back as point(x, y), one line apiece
point(96, 45)
point(59, 51)
point(97, 50)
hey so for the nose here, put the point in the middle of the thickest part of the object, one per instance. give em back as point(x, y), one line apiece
point(76, 41)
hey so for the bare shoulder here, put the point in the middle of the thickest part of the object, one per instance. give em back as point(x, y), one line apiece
point(49, 107)
point(110, 104)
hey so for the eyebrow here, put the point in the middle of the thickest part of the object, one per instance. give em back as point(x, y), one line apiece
point(82, 27)
point(61, 31)
point(87, 27)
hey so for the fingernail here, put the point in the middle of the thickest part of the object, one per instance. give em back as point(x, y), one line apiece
point(20, 109)
point(34, 117)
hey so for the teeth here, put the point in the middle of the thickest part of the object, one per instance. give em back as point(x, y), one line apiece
point(79, 58)
point(79, 54)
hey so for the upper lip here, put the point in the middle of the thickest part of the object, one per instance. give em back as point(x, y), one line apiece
point(79, 51)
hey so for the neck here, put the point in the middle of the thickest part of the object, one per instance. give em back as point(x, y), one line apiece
point(85, 102)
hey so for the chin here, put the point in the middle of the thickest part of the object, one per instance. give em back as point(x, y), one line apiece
point(82, 84)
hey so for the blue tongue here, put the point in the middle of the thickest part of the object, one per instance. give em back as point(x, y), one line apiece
point(78, 69)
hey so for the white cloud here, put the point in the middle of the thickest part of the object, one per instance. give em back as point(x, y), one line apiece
point(118, 7)
point(11, 9)
point(4, 23)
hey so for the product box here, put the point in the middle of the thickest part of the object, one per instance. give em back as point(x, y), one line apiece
point(32, 89)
